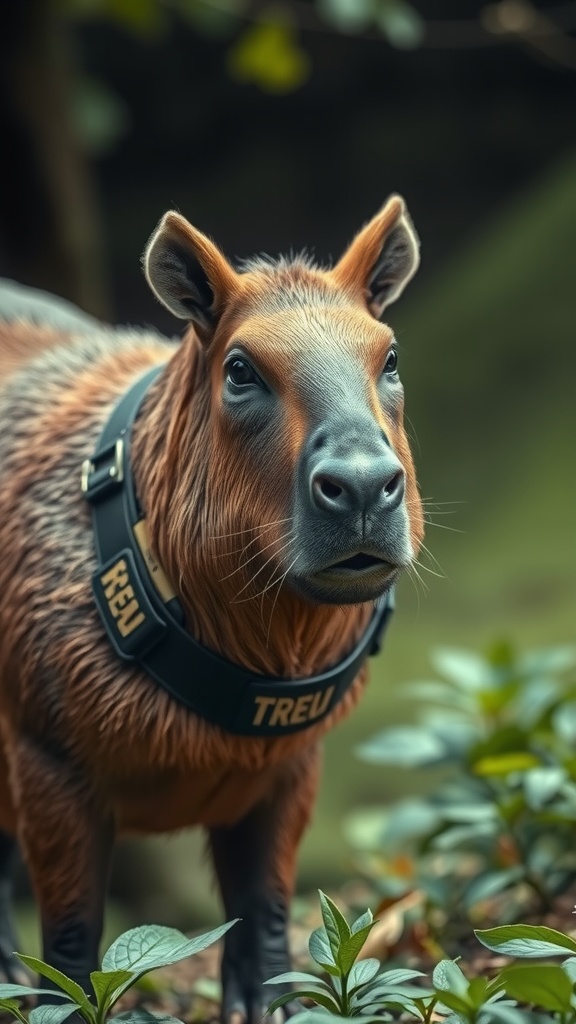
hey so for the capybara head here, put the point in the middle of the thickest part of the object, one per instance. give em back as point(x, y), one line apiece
point(294, 409)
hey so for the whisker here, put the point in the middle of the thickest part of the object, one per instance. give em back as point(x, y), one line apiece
point(277, 596)
point(251, 529)
point(235, 551)
point(266, 588)
point(442, 526)
point(440, 512)
point(426, 568)
point(252, 557)
point(280, 577)
point(412, 579)
point(261, 569)
point(414, 571)
point(433, 557)
point(413, 433)
point(430, 503)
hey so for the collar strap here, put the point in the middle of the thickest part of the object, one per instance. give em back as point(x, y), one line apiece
point(144, 620)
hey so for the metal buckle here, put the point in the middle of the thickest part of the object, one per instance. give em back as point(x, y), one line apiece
point(104, 472)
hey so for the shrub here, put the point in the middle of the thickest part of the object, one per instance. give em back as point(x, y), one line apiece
point(358, 989)
point(503, 729)
point(133, 954)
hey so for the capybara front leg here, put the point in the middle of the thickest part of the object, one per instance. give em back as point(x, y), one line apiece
point(66, 841)
point(11, 970)
point(255, 862)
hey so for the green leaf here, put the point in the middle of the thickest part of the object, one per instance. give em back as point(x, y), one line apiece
point(534, 699)
point(548, 659)
point(142, 1016)
point(461, 834)
point(506, 1014)
point(51, 1014)
point(314, 994)
point(347, 15)
point(144, 18)
point(11, 1006)
point(564, 721)
point(504, 764)
point(545, 985)
point(465, 668)
point(316, 1015)
point(71, 988)
point(401, 23)
point(390, 984)
point(320, 951)
point(491, 882)
point(362, 972)
point(541, 784)
point(387, 994)
point(151, 946)
point(505, 739)
point(350, 949)
point(477, 989)
point(399, 976)
point(456, 731)
point(526, 940)
point(99, 116)
point(569, 966)
point(8, 991)
point(454, 1002)
point(208, 19)
point(290, 977)
point(336, 925)
point(109, 986)
point(267, 53)
point(469, 813)
point(440, 693)
point(448, 977)
point(361, 922)
point(406, 745)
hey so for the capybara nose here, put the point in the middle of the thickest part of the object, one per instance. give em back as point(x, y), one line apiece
point(358, 484)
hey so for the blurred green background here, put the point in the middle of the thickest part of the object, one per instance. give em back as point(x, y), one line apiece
point(278, 125)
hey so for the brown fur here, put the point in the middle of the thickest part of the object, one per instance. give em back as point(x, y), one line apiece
point(92, 747)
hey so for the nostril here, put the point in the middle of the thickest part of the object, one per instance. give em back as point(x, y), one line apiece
point(394, 489)
point(328, 488)
point(394, 484)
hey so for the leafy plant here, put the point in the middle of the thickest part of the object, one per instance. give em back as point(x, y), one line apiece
point(357, 988)
point(502, 821)
point(354, 987)
point(133, 954)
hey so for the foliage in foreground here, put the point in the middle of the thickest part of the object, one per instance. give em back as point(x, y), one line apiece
point(132, 955)
point(359, 989)
point(502, 821)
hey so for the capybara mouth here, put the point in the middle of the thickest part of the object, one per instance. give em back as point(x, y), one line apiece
point(358, 563)
point(361, 577)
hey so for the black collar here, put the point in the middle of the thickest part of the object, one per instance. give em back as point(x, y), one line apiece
point(144, 620)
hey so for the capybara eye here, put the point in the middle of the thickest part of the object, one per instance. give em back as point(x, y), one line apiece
point(240, 373)
point(391, 364)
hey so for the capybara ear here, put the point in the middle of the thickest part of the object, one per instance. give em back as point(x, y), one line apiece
point(382, 258)
point(187, 272)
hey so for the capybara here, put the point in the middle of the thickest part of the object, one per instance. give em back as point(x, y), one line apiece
point(264, 496)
